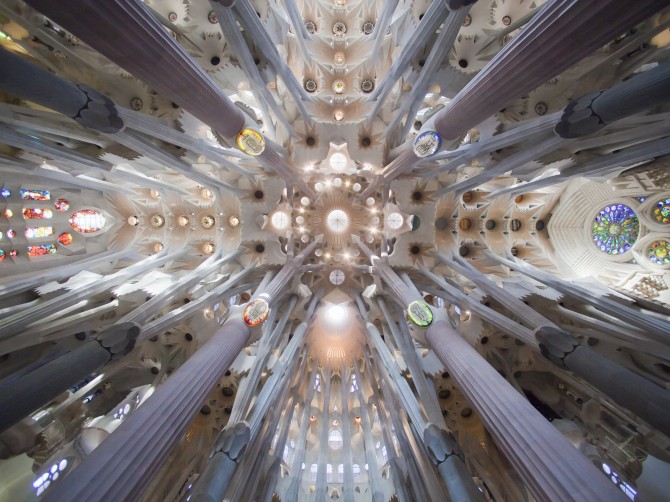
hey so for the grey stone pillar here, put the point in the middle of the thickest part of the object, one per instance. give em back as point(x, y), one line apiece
point(28, 392)
point(561, 33)
point(229, 447)
point(30, 82)
point(595, 110)
point(127, 33)
point(549, 465)
point(124, 464)
point(632, 391)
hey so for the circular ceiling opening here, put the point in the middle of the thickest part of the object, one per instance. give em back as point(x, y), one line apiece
point(337, 220)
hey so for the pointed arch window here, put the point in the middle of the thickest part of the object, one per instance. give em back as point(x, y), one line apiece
point(335, 439)
point(87, 221)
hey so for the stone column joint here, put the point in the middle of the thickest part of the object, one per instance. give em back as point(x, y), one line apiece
point(119, 339)
point(438, 443)
point(99, 112)
point(555, 345)
point(233, 442)
point(579, 118)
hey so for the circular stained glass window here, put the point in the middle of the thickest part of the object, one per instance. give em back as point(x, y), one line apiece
point(615, 229)
point(62, 205)
point(65, 238)
point(5, 192)
point(658, 252)
point(661, 212)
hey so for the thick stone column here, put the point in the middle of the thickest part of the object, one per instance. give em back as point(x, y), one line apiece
point(127, 33)
point(124, 464)
point(79, 102)
point(562, 33)
point(28, 392)
point(595, 110)
point(632, 391)
point(549, 465)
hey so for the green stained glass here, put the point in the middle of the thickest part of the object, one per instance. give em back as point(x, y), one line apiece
point(661, 212)
point(615, 229)
point(658, 252)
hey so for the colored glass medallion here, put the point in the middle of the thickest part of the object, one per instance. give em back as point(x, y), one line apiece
point(615, 229)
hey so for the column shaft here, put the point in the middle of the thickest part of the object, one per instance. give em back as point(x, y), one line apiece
point(562, 33)
point(122, 467)
point(30, 82)
point(24, 394)
point(549, 465)
point(149, 53)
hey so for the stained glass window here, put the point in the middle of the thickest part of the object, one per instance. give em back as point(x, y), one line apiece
point(11, 233)
point(30, 194)
point(37, 232)
point(9, 213)
point(661, 212)
point(13, 253)
point(2, 255)
point(41, 249)
point(658, 252)
point(87, 221)
point(33, 213)
point(5, 192)
point(62, 205)
point(615, 229)
point(65, 238)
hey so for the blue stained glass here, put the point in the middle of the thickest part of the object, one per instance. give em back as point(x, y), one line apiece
point(5, 192)
point(615, 229)
point(29, 194)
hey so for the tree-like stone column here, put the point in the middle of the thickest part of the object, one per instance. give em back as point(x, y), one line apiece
point(79, 102)
point(644, 398)
point(549, 465)
point(30, 391)
point(122, 467)
point(127, 33)
point(561, 34)
point(595, 110)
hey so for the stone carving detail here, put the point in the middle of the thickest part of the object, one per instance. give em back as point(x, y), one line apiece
point(555, 344)
point(579, 118)
point(233, 442)
point(119, 339)
point(438, 443)
point(99, 112)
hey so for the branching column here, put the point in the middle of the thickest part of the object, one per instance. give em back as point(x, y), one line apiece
point(123, 466)
point(550, 466)
point(79, 102)
point(149, 53)
point(562, 33)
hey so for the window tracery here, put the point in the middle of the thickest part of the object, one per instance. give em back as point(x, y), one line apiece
point(615, 229)
point(87, 221)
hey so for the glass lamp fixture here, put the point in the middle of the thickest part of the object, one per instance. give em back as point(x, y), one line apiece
point(339, 86)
